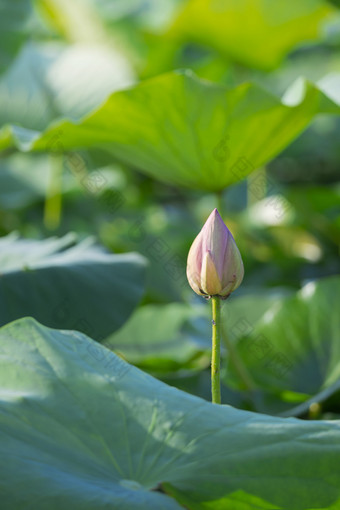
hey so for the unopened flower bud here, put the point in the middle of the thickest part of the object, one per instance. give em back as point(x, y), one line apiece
point(215, 266)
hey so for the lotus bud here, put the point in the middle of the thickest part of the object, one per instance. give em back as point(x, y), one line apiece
point(215, 266)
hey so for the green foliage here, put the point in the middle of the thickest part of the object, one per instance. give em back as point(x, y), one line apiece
point(83, 429)
point(294, 346)
point(49, 81)
point(14, 22)
point(128, 123)
point(184, 131)
point(257, 33)
point(70, 286)
point(161, 337)
point(21, 183)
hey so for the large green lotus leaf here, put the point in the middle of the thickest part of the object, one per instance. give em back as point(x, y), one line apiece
point(257, 33)
point(68, 286)
point(295, 346)
point(82, 429)
point(161, 336)
point(186, 131)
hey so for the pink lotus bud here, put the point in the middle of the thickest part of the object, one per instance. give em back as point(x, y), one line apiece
point(214, 266)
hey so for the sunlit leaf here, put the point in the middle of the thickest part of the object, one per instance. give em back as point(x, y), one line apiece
point(257, 33)
point(185, 131)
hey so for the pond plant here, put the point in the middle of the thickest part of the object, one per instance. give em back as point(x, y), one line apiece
point(125, 127)
point(215, 270)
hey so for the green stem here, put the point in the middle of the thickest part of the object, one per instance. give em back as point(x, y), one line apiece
point(216, 350)
point(52, 211)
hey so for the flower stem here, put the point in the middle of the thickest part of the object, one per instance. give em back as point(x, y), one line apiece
point(216, 350)
point(52, 212)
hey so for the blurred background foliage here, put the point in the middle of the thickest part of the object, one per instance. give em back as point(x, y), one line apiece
point(63, 59)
